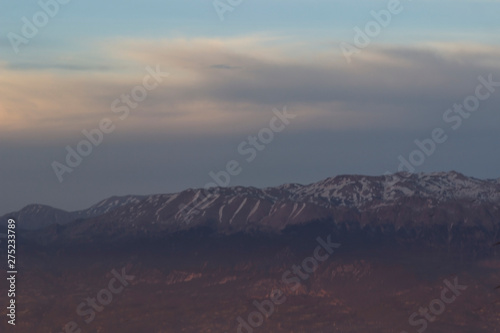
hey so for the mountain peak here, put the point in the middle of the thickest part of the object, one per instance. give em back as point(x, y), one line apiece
point(240, 208)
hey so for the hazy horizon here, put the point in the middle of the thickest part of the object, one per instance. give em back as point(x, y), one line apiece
point(85, 206)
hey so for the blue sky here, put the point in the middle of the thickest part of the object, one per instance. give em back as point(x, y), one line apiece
point(328, 20)
point(225, 79)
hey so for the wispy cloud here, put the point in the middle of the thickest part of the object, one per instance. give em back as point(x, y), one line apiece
point(219, 82)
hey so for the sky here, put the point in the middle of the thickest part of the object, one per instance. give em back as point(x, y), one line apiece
point(174, 91)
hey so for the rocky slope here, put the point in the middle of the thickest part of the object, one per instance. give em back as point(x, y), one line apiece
point(403, 202)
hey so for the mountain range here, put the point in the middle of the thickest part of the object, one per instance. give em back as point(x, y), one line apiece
point(207, 260)
point(403, 203)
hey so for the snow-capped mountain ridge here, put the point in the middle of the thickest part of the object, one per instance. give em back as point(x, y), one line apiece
point(358, 191)
point(346, 197)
